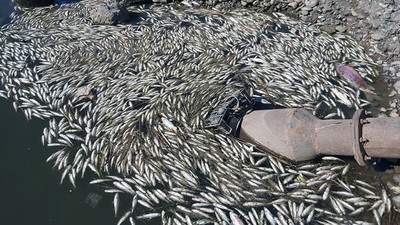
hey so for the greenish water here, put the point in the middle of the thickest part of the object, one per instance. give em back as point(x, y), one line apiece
point(30, 192)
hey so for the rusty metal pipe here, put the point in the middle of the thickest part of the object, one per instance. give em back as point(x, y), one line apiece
point(382, 136)
point(298, 135)
point(333, 136)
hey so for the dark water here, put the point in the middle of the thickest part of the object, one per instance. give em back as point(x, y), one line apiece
point(6, 7)
point(30, 192)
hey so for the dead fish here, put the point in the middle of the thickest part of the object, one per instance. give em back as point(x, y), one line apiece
point(235, 219)
point(168, 123)
point(355, 79)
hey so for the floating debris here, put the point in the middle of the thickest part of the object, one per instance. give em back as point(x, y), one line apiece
point(180, 63)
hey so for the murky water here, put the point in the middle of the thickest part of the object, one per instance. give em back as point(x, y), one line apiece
point(5, 11)
point(30, 190)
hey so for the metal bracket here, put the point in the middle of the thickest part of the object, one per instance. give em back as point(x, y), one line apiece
point(358, 141)
point(229, 114)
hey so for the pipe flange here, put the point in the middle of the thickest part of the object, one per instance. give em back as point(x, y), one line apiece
point(358, 149)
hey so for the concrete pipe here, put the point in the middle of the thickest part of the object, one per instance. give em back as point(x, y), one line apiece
point(298, 135)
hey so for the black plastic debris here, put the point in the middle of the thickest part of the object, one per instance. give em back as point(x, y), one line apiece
point(228, 115)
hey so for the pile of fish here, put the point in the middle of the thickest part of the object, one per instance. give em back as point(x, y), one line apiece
point(128, 105)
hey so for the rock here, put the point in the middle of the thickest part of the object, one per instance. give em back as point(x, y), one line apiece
point(293, 5)
point(330, 29)
point(341, 29)
point(312, 3)
point(395, 16)
point(306, 8)
point(396, 178)
point(394, 114)
point(397, 85)
point(304, 12)
point(326, 8)
point(109, 14)
point(382, 109)
point(83, 91)
point(354, 13)
point(377, 36)
point(396, 201)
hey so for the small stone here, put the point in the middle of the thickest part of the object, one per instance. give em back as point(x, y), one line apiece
point(377, 36)
point(312, 3)
point(354, 13)
point(396, 63)
point(306, 8)
point(304, 18)
point(396, 201)
point(382, 109)
point(244, 3)
point(394, 114)
point(395, 16)
point(326, 8)
point(109, 14)
point(397, 85)
point(330, 29)
point(293, 4)
point(394, 188)
point(304, 12)
point(341, 29)
point(396, 178)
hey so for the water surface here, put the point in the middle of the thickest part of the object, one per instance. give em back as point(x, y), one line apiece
point(30, 190)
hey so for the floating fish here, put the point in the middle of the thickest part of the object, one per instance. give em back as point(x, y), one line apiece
point(168, 124)
point(353, 77)
point(235, 219)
